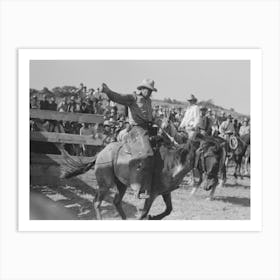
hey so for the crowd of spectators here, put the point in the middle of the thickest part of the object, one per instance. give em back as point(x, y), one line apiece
point(116, 125)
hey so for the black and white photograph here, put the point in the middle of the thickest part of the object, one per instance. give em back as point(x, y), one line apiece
point(140, 139)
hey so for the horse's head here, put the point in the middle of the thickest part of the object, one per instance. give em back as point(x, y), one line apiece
point(211, 160)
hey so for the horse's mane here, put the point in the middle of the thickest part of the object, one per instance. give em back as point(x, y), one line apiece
point(177, 154)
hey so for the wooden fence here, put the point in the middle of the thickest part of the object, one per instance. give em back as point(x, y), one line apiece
point(45, 168)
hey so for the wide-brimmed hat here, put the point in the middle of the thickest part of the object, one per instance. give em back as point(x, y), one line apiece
point(147, 83)
point(192, 98)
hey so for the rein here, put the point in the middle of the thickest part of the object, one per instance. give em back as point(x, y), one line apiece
point(170, 138)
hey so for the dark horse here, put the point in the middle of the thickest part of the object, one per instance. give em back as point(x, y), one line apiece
point(242, 151)
point(213, 145)
point(114, 169)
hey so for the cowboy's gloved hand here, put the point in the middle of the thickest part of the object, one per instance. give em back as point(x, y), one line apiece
point(105, 88)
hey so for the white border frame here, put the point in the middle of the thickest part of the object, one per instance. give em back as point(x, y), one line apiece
point(254, 55)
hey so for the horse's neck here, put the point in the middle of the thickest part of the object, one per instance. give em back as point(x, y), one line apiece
point(173, 131)
point(175, 169)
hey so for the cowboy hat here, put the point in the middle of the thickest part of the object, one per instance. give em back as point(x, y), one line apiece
point(147, 83)
point(192, 98)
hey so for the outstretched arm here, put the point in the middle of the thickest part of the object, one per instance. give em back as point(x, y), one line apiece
point(124, 99)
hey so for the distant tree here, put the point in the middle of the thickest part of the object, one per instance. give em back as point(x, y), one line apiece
point(57, 91)
point(46, 91)
point(33, 91)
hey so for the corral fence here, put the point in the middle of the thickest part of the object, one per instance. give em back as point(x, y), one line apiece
point(45, 167)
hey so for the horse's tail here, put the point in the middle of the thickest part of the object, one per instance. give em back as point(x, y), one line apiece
point(73, 167)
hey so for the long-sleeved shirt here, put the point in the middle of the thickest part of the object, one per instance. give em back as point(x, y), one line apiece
point(140, 107)
point(226, 127)
point(191, 118)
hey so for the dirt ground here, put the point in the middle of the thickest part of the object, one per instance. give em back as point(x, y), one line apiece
point(231, 202)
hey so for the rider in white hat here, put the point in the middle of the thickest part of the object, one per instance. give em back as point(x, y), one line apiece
point(140, 119)
point(191, 118)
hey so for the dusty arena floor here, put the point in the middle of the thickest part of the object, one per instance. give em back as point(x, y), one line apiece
point(231, 202)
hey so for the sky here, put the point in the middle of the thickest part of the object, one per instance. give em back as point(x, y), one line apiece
point(226, 82)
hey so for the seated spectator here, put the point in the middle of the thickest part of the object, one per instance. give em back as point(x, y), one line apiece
point(99, 108)
point(63, 105)
point(44, 104)
point(79, 102)
point(83, 108)
point(34, 102)
point(108, 136)
point(99, 130)
point(72, 105)
point(89, 106)
point(53, 105)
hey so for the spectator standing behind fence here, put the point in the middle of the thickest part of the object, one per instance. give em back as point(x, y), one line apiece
point(54, 126)
point(87, 130)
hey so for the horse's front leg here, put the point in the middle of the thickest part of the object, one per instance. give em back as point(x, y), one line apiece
point(147, 206)
point(196, 185)
point(168, 203)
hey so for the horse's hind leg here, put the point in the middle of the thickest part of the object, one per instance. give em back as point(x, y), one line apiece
point(118, 199)
point(167, 211)
point(101, 193)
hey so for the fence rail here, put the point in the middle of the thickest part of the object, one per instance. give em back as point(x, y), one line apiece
point(54, 137)
point(65, 116)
